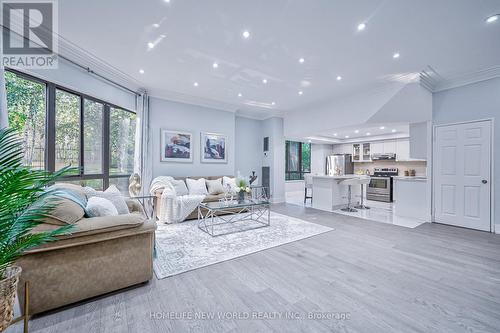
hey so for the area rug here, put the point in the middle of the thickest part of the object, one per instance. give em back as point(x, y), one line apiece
point(183, 247)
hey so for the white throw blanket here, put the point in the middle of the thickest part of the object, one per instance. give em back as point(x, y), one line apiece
point(173, 208)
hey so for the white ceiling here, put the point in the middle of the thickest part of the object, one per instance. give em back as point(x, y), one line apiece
point(451, 36)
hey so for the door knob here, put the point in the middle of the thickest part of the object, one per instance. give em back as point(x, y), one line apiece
point(484, 181)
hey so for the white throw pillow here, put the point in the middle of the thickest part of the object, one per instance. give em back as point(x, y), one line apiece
point(180, 187)
point(215, 186)
point(97, 206)
point(231, 182)
point(196, 186)
point(113, 194)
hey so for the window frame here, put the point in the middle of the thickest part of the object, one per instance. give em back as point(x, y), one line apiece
point(289, 172)
point(50, 130)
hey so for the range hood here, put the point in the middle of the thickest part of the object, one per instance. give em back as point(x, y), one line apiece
point(385, 157)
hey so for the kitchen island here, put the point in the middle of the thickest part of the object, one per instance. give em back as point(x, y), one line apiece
point(329, 194)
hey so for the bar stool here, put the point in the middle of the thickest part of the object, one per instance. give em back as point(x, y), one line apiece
point(308, 185)
point(349, 183)
point(363, 182)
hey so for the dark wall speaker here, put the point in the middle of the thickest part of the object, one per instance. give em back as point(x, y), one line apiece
point(266, 144)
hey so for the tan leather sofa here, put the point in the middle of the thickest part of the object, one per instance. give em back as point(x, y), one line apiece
point(102, 254)
point(194, 214)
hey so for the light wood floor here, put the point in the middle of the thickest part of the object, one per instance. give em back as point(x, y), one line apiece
point(434, 278)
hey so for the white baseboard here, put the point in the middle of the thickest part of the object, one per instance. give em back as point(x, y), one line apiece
point(277, 200)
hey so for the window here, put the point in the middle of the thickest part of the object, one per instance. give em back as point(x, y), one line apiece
point(93, 117)
point(67, 128)
point(121, 141)
point(298, 160)
point(26, 113)
point(62, 127)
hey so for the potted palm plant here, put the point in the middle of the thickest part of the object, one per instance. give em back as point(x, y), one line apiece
point(24, 203)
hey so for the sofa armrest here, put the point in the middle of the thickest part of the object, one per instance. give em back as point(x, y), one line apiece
point(134, 206)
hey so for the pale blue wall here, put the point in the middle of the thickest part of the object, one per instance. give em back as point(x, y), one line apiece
point(195, 119)
point(249, 146)
point(472, 102)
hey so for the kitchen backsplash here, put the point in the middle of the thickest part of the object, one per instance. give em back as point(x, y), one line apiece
point(420, 167)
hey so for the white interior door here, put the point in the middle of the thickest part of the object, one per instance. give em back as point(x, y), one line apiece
point(462, 190)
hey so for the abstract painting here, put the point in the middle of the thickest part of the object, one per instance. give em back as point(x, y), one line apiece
point(176, 146)
point(213, 148)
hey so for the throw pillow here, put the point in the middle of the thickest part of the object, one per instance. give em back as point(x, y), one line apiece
point(97, 206)
point(230, 183)
point(65, 211)
point(112, 194)
point(215, 186)
point(196, 186)
point(180, 187)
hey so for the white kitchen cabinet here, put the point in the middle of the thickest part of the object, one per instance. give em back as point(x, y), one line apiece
point(402, 150)
point(390, 147)
point(377, 147)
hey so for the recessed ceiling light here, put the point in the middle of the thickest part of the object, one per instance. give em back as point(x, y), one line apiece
point(367, 134)
point(300, 92)
point(347, 136)
point(240, 94)
point(301, 60)
point(356, 131)
point(361, 26)
point(492, 18)
point(264, 81)
point(195, 84)
point(393, 131)
point(339, 78)
point(151, 45)
point(246, 34)
point(273, 103)
point(334, 134)
point(156, 25)
point(395, 55)
point(309, 141)
point(141, 71)
point(215, 65)
point(167, 1)
point(382, 127)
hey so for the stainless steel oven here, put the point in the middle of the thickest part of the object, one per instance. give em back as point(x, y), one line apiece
point(380, 187)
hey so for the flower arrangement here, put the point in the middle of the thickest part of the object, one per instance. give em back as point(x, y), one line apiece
point(241, 186)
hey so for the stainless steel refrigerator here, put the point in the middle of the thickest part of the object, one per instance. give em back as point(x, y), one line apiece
point(339, 165)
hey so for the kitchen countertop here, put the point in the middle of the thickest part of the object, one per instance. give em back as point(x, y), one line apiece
point(411, 178)
point(341, 177)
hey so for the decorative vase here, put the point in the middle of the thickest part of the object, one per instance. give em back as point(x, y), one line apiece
point(241, 196)
point(8, 289)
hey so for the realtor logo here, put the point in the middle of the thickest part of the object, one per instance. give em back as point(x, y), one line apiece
point(29, 31)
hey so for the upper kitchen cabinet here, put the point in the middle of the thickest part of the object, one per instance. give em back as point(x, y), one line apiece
point(377, 147)
point(418, 141)
point(361, 152)
point(383, 147)
point(402, 150)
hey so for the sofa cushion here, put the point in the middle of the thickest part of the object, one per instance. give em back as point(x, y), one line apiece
point(65, 211)
point(76, 190)
point(95, 225)
point(97, 206)
point(112, 194)
point(179, 187)
point(215, 186)
point(196, 186)
point(213, 197)
point(229, 182)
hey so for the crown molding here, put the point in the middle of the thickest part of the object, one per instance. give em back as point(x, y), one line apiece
point(435, 82)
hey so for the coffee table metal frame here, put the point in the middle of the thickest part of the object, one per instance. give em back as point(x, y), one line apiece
point(221, 213)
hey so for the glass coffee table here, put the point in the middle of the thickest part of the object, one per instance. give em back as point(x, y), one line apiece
point(227, 217)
